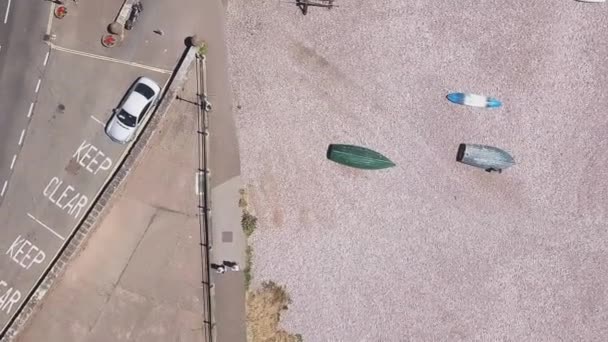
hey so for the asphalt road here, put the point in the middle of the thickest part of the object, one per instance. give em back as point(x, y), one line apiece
point(80, 32)
point(22, 53)
point(64, 157)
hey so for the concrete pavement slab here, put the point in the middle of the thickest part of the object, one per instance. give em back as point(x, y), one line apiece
point(188, 325)
point(110, 250)
point(122, 317)
point(178, 148)
point(230, 306)
point(162, 266)
point(229, 241)
point(224, 148)
point(78, 318)
point(131, 317)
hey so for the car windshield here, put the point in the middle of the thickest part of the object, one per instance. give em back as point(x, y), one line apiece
point(126, 118)
point(146, 91)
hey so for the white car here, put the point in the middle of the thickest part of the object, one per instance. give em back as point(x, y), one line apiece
point(132, 110)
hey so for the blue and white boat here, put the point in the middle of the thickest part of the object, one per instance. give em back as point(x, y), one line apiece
point(474, 100)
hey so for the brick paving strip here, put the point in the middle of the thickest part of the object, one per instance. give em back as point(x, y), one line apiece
point(88, 222)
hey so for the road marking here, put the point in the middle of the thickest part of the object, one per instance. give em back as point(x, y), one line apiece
point(46, 58)
point(45, 226)
point(37, 86)
point(91, 158)
point(25, 253)
point(97, 120)
point(21, 137)
point(29, 113)
point(75, 200)
point(109, 59)
point(13, 162)
point(8, 7)
point(50, 22)
point(3, 188)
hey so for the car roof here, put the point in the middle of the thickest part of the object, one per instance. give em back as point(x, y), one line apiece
point(135, 102)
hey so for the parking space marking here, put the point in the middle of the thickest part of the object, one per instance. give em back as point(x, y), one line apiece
point(3, 188)
point(38, 86)
point(8, 8)
point(109, 59)
point(45, 226)
point(46, 58)
point(50, 22)
point(21, 137)
point(29, 112)
point(97, 120)
point(13, 162)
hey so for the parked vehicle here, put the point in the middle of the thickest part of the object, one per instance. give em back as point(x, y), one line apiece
point(132, 110)
point(136, 9)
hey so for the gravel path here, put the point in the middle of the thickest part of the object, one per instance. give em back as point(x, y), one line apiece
point(431, 249)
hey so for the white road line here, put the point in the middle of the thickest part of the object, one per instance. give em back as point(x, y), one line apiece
point(3, 188)
point(109, 59)
point(50, 22)
point(97, 120)
point(21, 137)
point(45, 226)
point(46, 58)
point(13, 162)
point(29, 112)
point(8, 7)
point(38, 86)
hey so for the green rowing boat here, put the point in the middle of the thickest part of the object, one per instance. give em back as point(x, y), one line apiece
point(358, 157)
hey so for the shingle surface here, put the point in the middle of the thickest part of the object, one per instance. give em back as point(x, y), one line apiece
point(431, 249)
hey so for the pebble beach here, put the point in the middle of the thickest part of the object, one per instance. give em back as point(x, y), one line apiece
point(430, 249)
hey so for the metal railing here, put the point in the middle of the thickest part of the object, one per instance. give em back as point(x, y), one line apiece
point(204, 210)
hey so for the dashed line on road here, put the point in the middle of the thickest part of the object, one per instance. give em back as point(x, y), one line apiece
point(97, 120)
point(110, 59)
point(45, 226)
point(13, 162)
point(46, 58)
point(8, 8)
point(21, 137)
point(38, 86)
point(3, 188)
point(29, 112)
